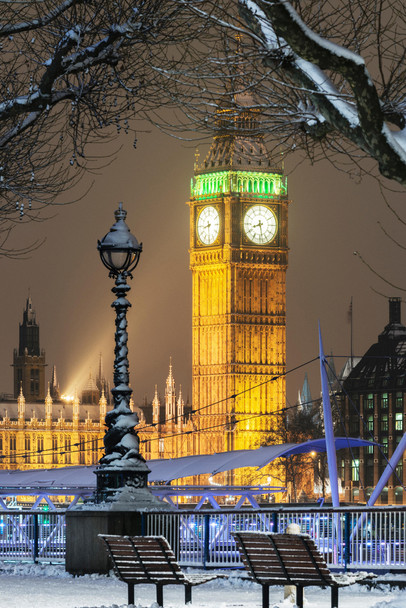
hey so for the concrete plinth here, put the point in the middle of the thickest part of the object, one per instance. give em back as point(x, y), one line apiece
point(85, 552)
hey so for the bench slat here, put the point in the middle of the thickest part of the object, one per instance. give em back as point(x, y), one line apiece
point(149, 559)
point(283, 557)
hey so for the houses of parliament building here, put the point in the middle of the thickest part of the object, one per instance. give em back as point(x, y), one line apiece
point(238, 259)
point(39, 429)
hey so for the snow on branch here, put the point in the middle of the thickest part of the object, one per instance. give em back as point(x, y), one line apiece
point(76, 73)
point(309, 59)
point(36, 23)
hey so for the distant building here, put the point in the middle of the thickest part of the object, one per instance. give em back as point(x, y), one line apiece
point(37, 428)
point(40, 430)
point(43, 435)
point(373, 403)
point(166, 429)
point(29, 360)
point(55, 434)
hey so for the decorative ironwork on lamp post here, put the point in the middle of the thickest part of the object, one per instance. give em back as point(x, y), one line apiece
point(122, 464)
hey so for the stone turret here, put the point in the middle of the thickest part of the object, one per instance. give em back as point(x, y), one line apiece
point(170, 396)
point(103, 407)
point(21, 406)
point(180, 407)
point(48, 408)
point(156, 404)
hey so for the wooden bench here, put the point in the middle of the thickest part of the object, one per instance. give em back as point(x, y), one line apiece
point(150, 559)
point(290, 559)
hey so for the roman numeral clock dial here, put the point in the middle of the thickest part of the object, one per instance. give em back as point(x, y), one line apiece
point(260, 224)
point(208, 225)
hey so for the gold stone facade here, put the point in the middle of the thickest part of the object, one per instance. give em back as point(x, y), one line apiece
point(47, 435)
point(238, 258)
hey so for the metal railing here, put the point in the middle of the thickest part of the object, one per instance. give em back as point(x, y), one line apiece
point(349, 538)
point(37, 535)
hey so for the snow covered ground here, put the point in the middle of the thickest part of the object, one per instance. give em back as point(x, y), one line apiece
point(49, 586)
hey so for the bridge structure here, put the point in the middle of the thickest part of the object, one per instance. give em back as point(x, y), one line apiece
point(68, 485)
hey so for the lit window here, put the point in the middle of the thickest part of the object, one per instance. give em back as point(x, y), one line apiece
point(399, 401)
point(399, 422)
point(369, 401)
point(40, 449)
point(384, 401)
point(370, 423)
point(385, 445)
point(384, 422)
point(355, 469)
point(12, 449)
point(54, 450)
point(67, 450)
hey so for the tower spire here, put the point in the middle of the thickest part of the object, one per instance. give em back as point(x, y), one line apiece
point(21, 405)
point(48, 407)
point(180, 407)
point(100, 375)
point(156, 404)
point(102, 407)
point(170, 396)
point(54, 389)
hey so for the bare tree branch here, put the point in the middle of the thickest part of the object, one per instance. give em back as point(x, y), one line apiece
point(307, 57)
point(327, 77)
point(74, 75)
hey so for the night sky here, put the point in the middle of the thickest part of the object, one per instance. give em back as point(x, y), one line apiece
point(331, 215)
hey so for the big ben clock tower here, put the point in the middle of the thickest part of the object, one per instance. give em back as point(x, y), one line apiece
point(238, 258)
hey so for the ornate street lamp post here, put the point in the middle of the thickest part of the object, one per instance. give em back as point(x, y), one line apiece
point(122, 493)
point(122, 465)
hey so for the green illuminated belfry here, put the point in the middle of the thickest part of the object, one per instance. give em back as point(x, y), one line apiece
point(212, 184)
point(238, 160)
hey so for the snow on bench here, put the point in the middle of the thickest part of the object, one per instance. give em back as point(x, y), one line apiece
point(150, 559)
point(290, 559)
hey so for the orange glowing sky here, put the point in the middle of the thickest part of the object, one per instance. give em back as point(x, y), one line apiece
point(330, 217)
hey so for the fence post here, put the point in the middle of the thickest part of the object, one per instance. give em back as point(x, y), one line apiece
point(35, 539)
point(347, 553)
point(206, 539)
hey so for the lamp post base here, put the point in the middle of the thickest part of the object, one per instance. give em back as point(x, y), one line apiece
point(120, 488)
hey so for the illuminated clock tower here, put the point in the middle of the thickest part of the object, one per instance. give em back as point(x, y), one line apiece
point(238, 258)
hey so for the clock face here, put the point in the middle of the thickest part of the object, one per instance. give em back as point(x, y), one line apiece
point(208, 225)
point(260, 224)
